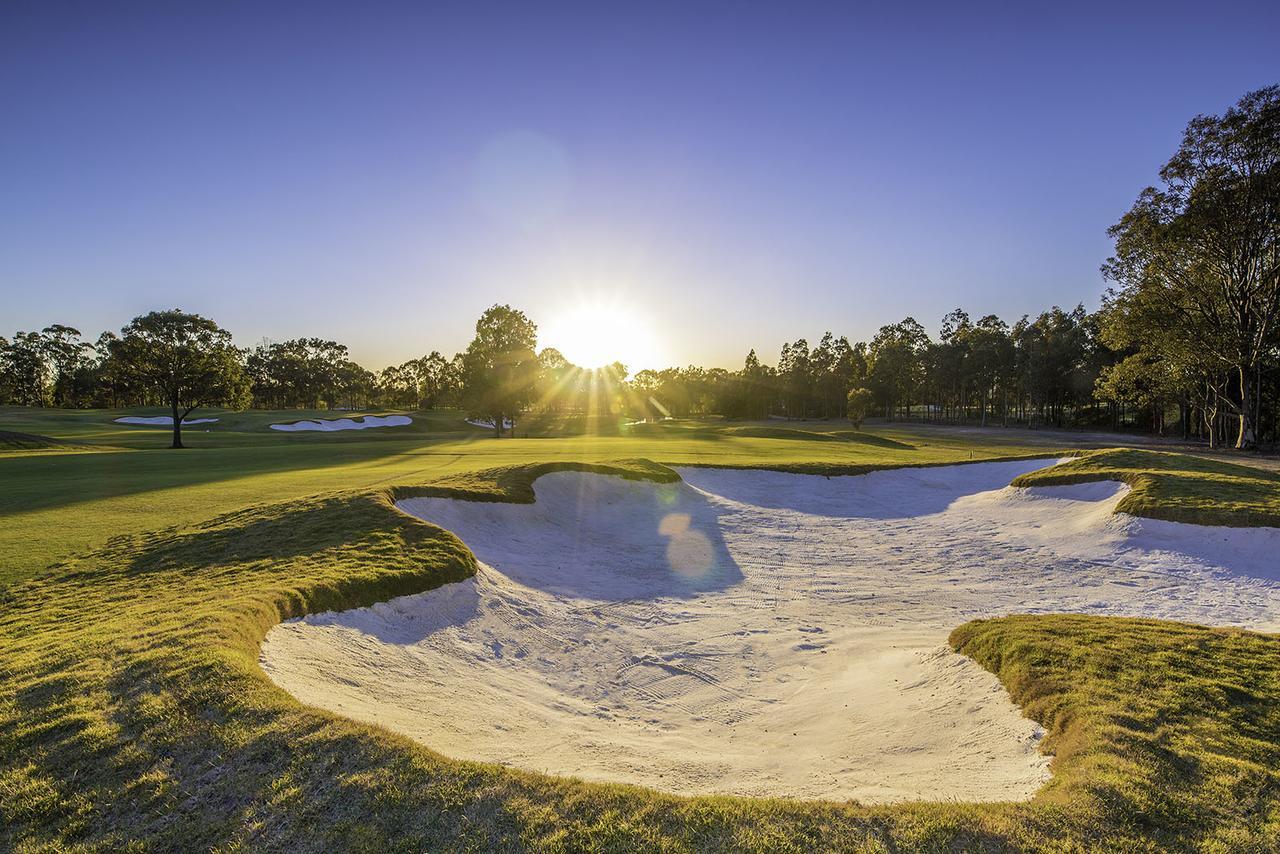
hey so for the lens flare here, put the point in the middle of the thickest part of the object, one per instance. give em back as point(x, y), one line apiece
point(593, 335)
point(689, 551)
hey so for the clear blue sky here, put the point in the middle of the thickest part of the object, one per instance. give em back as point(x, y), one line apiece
point(743, 173)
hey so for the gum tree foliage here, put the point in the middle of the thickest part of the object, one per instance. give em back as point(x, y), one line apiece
point(39, 368)
point(65, 353)
point(500, 366)
point(188, 360)
point(558, 386)
point(1201, 253)
point(307, 372)
point(896, 364)
point(857, 406)
point(421, 383)
point(26, 370)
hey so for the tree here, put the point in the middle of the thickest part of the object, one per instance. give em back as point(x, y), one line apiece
point(500, 366)
point(557, 380)
point(27, 369)
point(187, 359)
point(1158, 360)
point(1206, 245)
point(992, 358)
point(302, 372)
point(896, 363)
point(66, 353)
point(857, 405)
point(795, 375)
point(437, 380)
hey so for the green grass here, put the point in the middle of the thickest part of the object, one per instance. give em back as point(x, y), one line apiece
point(134, 715)
point(55, 505)
point(1175, 487)
point(13, 443)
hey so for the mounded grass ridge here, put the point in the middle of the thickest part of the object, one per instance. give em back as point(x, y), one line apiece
point(515, 484)
point(134, 716)
point(853, 469)
point(1175, 487)
point(15, 441)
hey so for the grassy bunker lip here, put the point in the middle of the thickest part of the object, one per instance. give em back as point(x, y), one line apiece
point(1166, 733)
point(1175, 487)
point(659, 626)
point(341, 661)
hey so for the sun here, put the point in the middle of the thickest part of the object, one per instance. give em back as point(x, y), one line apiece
point(591, 335)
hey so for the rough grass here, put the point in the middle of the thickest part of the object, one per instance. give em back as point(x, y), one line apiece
point(1175, 487)
point(133, 715)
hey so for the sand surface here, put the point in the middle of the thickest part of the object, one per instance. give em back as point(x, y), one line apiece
point(337, 424)
point(161, 420)
point(488, 423)
point(759, 633)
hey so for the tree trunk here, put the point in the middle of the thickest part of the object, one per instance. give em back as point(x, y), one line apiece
point(177, 427)
point(1246, 438)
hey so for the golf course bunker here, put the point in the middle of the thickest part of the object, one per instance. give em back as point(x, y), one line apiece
point(338, 424)
point(759, 633)
point(160, 420)
point(507, 423)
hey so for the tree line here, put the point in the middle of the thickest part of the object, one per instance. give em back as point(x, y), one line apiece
point(1186, 339)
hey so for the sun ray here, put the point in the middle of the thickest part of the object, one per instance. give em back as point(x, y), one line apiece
point(596, 334)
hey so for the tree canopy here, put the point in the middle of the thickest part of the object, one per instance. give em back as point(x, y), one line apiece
point(188, 359)
point(1197, 259)
point(500, 367)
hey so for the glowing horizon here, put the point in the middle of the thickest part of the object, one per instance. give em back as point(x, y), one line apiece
point(596, 333)
point(739, 179)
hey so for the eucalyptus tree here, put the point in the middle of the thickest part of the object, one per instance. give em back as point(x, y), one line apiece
point(438, 380)
point(558, 386)
point(991, 362)
point(947, 362)
point(757, 387)
point(896, 364)
point(500, 366)
point(187, 359)
point(66, 354)
point(795, 376)
point(832, 366)
point(857, 405)
point(1205, 246)
point(26, 368)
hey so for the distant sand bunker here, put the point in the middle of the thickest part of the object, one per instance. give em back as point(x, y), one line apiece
point(759, 633)
point(161, 420)
point(339, 424)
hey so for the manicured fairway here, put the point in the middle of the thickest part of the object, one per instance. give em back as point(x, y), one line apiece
point(55, 503)
point(133, 711)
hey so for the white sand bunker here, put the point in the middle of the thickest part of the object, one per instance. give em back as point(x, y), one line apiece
point(331, 426)
point(759, 633)
point(487, 423)
point(161, 420)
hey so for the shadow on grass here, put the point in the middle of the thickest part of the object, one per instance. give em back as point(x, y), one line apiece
point(249, 535)
point(44, 482)
point(871, 439)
